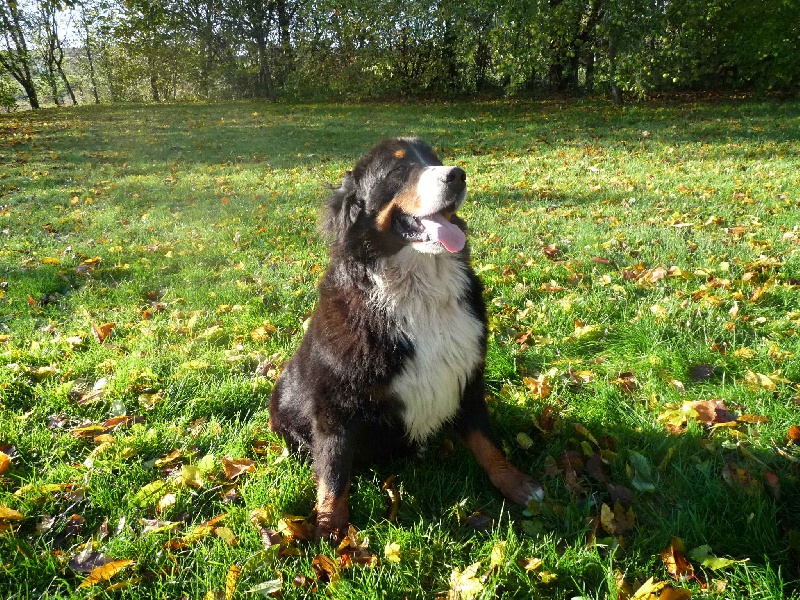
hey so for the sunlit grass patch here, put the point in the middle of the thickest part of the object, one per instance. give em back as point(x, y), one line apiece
point(641, 268)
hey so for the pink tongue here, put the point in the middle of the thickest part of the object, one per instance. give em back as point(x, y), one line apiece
point(445, 232)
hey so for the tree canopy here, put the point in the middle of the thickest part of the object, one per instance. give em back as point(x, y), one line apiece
point(156, 50)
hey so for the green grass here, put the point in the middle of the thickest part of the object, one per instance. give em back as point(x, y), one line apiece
point(203, 218)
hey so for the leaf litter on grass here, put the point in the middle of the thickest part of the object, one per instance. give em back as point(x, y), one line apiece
point(675, 265)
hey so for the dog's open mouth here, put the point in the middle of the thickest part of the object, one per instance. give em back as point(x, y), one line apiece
point(431, 229)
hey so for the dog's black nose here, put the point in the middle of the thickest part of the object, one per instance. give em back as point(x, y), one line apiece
point(455, 176)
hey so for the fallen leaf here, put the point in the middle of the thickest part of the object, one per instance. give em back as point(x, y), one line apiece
point(649, 590)
point(524, 440)
point(794, 434)
point(391, 552)
point(701, 372)
point(267, 588)
point(9, 514)
point(295, 528)
point(702, 555)
point(101, 332)
point(710, 412)
point(740, 479)
point(640, 472)
point(752, 419)
point(676, 563)
point(236, 466)
point(192, 476)
point(231, 579)
point(393, 500)
point(551, 251)
point(104, 572)
point(5, 462)
point(617, 520)
point(149, 494)
point(627, 382)
point(227, 534)
point(325, 568)
point(540, 386)
point(773, 484)
point(760, 381)
point(530, 564)
point(87, 560)
point(498, 555)
point(465, 585)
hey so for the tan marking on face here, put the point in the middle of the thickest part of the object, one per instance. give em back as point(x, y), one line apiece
point(401, 153)
point(407, 200)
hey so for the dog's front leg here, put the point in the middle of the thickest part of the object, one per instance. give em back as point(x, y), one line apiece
point(474, 427)
point(333, 457)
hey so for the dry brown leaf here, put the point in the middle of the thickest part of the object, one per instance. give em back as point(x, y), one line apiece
point(295, 528)
point(540, 387)
point(676, 563)
point(101, 332)
point(794, 434)
point(617, 521)
point(711, 412)
point(5, 462)
point(325, 568)
point(393, 500)
point(236, 466)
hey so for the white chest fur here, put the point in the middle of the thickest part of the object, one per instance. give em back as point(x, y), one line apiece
point(421, 293)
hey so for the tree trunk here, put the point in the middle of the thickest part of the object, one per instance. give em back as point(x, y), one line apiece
point(90, 58)
point(59, 62)
point(30, 92)
point(15, 58)
point(616, 92)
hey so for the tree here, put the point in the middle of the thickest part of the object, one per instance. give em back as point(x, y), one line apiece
point(52, 46)
point(15, 57)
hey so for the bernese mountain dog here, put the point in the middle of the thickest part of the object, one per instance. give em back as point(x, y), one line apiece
point(396, 347)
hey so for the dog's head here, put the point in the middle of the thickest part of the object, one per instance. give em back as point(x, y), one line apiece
point(399, 195)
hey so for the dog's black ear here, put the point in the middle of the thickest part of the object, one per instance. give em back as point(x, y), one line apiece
point(343, 208)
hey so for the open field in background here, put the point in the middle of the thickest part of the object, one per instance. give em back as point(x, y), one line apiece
point(642, 268)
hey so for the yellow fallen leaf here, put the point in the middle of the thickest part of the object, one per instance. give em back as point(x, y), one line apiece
point(649, 590)
point(104, 572)
point(9, 514)
point(392, 552)
point(498, 556)
point(231, 579)
point(464, 585)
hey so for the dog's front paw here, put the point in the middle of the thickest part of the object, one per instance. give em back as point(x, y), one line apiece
point(519, 487)
point(332, 527)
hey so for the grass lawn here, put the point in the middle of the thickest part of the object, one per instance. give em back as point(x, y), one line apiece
point(642, 269)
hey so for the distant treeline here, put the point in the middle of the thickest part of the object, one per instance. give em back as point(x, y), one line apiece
point(133, 50)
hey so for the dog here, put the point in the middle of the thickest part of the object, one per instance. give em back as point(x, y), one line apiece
point(396, 346)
